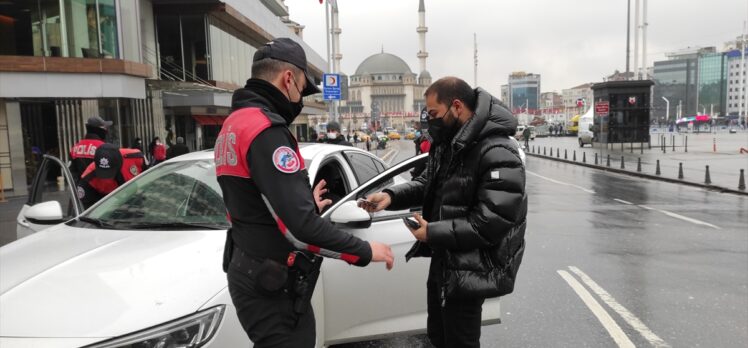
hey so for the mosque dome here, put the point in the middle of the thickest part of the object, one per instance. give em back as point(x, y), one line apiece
point(383, 63)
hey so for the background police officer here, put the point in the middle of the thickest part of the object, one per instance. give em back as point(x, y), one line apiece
point(82, 153)
point(111, 167)
point(271, 205)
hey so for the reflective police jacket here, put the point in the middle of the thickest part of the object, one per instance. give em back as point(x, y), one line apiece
point(82, 154)
point(92, 188)
point(268, 195)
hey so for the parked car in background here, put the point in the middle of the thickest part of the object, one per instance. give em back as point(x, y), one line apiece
point(143, 265)
point(362, 136)
point(394, 136)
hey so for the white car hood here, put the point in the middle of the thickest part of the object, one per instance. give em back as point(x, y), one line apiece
point(77, 282)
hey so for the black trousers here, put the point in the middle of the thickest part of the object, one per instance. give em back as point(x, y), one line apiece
point(458, 322)
point(268, 319)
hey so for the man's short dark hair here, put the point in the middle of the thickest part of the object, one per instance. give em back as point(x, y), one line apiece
point(267, 69)
point(450, 88)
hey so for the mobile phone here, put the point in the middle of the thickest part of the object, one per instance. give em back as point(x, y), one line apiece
point(411, 222)
point(362, 203)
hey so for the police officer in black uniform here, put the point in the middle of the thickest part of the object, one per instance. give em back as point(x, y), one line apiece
point(276, 231)
point(334, 136)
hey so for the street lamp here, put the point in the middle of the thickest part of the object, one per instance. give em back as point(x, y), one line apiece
point(667, 108)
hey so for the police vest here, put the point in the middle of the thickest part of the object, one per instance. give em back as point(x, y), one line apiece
point(237, 134)
point(85, 148)
point(132, 165)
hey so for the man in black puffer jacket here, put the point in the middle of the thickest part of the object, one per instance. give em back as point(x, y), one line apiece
point(474, 208)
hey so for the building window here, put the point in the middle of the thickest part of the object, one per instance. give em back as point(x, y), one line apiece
point(60, 28)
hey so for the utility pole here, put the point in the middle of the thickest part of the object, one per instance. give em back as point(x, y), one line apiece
point(644, 41)
point(667, 109)
point(628, 37)
point(328, 33)
point(636, 39)
point(741, 109)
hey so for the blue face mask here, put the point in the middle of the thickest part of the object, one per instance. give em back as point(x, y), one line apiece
point(418, 134)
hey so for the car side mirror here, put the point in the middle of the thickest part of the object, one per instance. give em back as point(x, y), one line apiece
point(349, 214)
point(45, 213)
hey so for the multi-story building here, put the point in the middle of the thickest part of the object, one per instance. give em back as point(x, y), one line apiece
point(153, 67)
point(577, 99)
point(523, 92)
point(736, 84)
point(677, 80)
point(711, 84)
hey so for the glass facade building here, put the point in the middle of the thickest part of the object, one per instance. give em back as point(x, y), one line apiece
point(675, 80)
point(712, 84)
point(59, 28)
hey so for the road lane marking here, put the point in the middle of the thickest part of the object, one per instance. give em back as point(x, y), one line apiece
point(394, 154)
point(560, 182)
point(630, 318)
point(622, 201)
point(681, 217)
point(605, 319)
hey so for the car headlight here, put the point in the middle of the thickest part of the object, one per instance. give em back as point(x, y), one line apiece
point(191, 331)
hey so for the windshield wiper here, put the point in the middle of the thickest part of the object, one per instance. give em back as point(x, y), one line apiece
point(173, 225)
point(98, 222)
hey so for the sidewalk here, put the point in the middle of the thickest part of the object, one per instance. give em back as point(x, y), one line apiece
point(724, 164)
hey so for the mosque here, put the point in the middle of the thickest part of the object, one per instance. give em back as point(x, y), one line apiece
point(384, 87)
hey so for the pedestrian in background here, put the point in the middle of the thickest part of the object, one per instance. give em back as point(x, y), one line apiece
point(474, 209)
point(177, 149)
point(111, 167)
point(334, 136)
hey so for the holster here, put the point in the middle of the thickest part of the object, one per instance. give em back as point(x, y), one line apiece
point(304, 267)
point(228, 250)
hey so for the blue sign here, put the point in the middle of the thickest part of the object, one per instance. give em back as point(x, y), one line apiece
point(331, 86)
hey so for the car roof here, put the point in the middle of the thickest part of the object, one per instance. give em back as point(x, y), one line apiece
point(308, 150)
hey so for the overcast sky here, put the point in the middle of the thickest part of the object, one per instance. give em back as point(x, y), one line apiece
point(568, 42)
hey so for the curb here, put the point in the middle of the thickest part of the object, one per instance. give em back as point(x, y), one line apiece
point(643, 175)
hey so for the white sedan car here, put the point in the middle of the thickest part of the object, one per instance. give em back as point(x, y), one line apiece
point(142, 267)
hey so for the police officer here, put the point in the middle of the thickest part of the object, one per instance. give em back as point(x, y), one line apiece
point(111, 167)
point(271, 205)
point(334, 136)
point(82, 153)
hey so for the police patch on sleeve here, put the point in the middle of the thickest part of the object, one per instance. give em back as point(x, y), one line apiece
point(286, 160)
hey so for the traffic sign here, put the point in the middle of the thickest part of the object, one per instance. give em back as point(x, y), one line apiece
point(331, 86)
point(602, 108)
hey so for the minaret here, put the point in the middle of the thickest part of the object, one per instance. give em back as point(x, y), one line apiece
point(336, 55)
point(422, 29)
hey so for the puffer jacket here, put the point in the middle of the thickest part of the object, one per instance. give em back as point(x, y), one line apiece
point(483, 210)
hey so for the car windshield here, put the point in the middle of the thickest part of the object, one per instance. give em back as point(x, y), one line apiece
point(177, 195)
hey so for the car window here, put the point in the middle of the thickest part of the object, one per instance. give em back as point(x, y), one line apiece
point(53, 185)
point(336, 184)
point(179, 192)
point(363, 166)
point(380, 166)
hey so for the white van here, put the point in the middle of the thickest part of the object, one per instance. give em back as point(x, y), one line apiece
point(585, 134)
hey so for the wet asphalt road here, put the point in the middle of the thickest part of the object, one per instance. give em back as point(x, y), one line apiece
point(666, 263)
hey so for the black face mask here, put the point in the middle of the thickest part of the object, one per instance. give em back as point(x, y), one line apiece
point(439, 130)
point(296, 106)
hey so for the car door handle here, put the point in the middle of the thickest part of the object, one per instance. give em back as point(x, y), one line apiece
point(24, 223)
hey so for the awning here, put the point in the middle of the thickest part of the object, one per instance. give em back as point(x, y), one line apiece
point(205, 120)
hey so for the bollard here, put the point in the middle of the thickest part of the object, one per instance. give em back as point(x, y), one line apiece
point(707, 177)
point(595, 158)
point(543, 150)
point(686, 143)
point(558, 152)
point(632, 147)
point(642, 147)
point(623, 166)
point(741, 181)
point(657, 171)
point(608, 162)
point(680, 170)
point(574, 156)
point(622, 147)
point(714, 144)
point(565, 154)
point(673, 143)
point(584, 157)
point(639, 165)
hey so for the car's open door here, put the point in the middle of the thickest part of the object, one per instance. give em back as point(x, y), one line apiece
point(52, 199)
point(372, 302)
